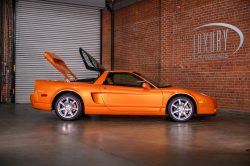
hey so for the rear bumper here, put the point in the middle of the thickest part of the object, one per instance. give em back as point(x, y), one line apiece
point(40, 106)
point(33, 98)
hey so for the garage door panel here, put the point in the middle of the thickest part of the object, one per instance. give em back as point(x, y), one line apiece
point(53, 27)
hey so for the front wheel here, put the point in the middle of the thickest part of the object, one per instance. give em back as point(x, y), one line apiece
point(68, 107)
point(181, 109)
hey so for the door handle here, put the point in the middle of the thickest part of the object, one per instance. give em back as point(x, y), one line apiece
point(104, 87)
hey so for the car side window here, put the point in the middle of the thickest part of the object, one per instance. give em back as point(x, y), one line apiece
point(123, 79)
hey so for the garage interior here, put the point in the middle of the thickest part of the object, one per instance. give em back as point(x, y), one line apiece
point(166, 40)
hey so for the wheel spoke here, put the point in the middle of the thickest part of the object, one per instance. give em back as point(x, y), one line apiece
point(179, 116)
point(65, 113)
point(61, 103)
point(179, 101)
point(187, 109)
point(174, 105)
point(185, 114)
point(73, 102)
point(185, 103)
point(61, 109)
point(67, 100)
point(71, 113)
point(175, 112)
point(75, 108)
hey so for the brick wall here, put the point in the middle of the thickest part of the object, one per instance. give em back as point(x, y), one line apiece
point(106, 37)
point(225, 79)
point(156, 38)
point(7, 50)
point(138, 38)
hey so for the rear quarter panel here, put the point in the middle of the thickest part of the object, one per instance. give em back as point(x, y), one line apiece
point(51, 89)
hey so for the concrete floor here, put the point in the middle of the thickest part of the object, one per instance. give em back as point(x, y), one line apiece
point(35, 137)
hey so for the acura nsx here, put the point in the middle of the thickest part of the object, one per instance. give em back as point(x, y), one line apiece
point(115, 92)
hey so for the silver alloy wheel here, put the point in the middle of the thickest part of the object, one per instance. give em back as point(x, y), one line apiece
point(67, 107)
point(181, 109)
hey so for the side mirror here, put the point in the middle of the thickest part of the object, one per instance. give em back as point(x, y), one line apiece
point(146, 86)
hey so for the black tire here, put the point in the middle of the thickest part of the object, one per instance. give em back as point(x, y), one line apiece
point(181, 108)
point(68, 107)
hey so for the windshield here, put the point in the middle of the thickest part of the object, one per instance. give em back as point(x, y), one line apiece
point(156, 83)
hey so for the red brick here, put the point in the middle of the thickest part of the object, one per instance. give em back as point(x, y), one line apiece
point(154, 37)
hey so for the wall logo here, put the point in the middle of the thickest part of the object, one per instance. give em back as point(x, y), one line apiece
point(218, 38)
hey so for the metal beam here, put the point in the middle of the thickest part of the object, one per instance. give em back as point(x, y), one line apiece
point(1, 47)
point(101, 39)
point(108, 2)
point(125, 3)
point(93, 3)
point(13, 58)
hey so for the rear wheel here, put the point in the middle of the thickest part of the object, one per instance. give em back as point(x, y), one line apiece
point(181, 109)
point(68, 107)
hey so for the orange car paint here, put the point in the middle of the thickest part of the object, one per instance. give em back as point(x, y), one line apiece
point(120, 100)
point(59, 64)
point(111, 99)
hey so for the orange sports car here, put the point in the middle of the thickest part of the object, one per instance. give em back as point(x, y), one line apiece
point(115, 92)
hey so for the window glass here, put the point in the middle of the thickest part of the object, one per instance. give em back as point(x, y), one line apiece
point(92, 64)
point(89, 60)
point(124, 79)
point(157, 84)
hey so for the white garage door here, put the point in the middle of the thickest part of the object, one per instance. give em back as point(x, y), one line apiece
point(52, 27)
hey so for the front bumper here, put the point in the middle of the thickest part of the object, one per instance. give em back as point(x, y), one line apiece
point(209, 108)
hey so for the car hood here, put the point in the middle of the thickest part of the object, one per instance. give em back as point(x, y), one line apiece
point(177, 89)
point(89, 62)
